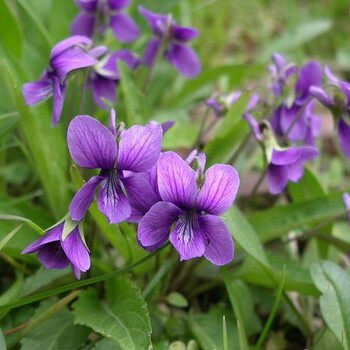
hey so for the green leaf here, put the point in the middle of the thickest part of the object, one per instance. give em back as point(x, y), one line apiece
point(10, 32)
point(176, 299)
point(275, 222)
point(308, 187)
point(334, 284)
point(123, 316)
point(57, 332)
point(206, 328)
point(61, 16)
point(47, 146)
point(244, 234)
point(2, 341)
point(12, 293)
point(297, 277)
point(106, 344)
point(298, 35)
point(135, 103)
point(234, 291)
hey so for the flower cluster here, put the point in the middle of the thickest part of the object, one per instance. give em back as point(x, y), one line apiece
point(139, 184)
point(76, 53)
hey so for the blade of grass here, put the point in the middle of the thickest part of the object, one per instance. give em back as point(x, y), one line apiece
point(4, 241)
point(236, 309)
point(274, 309)
point(224, 333)
point(25, 220)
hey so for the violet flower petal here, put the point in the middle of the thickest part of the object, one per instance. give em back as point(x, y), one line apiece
point(87, 5)
point(124, 27)
point(76, 251)
point(83, 24)
point(287, 156)
point(118, 4)
point(91, 144)
point(184, 59)
point(219, 189)
point(76, 271)
point(112, 202)
point(187, 238)
point(83, 198)
point(176, 180)
point(69, 43)
point(103, 89)
point(36, 91)
point(59, 91)
point(295, 171)
point(297, 132)
point(139, 147)
point(52, 256)
point(277, 178)
point(219, 245)
point(51, 235)
point(111, 64)
point(151, 51)
point(155, 225)
point(183, 33)
point(140, 192)
point(344, 137)
point(310, 74)
point(321, 96)
point(69, 60)
point(155, 22)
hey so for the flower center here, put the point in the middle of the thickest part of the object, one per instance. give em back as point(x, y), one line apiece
point(186, 225)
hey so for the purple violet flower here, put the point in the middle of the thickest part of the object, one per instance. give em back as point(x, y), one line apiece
point(100, 14)
point(287, 165)
point(56, 253)
point(104, 78)
point(280, 71)
point(295, 119)
point(222, 103)
point(177, 52)
point(68, 55)
point(143, 187)
point(283, 164)
point(305, 129)
point(340, 107)
point(93, 146)
point(194, 212)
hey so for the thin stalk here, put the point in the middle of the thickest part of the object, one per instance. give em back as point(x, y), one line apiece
point(201, 128)
point(79, 284)
point(224, 333)
point(157, 277)
point(272, 315)
point(83, 90)
point(159, 53)
point(313, 232)
point(254, 190)
point(241, 147)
